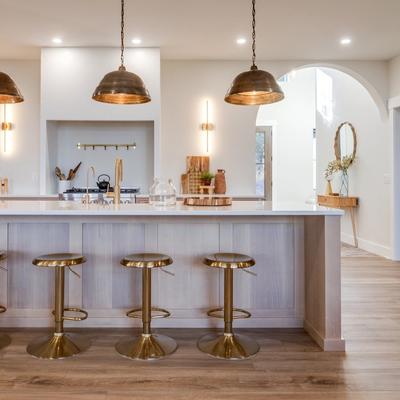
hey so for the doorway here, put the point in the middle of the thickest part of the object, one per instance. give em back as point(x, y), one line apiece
point(264, 162)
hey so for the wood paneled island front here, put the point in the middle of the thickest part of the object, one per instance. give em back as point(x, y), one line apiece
point(296, 248)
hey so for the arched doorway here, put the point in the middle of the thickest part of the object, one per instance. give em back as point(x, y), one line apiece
point(317, 100)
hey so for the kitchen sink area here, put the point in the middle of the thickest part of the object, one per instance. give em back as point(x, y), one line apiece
point(98, 196)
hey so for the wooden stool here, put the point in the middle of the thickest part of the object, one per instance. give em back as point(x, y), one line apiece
point(147, 346)
point(4, 339)
point(228, 346)
point(60, 345)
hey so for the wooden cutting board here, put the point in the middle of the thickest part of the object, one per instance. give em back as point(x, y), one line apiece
point(190, 182)
point(197, 163)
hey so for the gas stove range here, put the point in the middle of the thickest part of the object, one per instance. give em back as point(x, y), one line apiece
point(133, 190)
point(96, 195)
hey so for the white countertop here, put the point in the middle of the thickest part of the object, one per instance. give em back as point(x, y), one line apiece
point(9, 196)
point(238, 208)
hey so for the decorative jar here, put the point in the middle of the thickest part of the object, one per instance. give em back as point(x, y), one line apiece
point(162, 193)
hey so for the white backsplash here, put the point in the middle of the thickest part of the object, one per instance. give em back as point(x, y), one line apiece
point(138, 163)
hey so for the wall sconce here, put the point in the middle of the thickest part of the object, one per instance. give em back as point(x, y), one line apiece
point(207, 127)
point(5, 127)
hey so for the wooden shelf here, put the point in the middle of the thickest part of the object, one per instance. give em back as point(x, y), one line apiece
point(337, 201)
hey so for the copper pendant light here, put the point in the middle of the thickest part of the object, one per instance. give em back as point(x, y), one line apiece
point(256, 86)
point(121, 86)
point(9, 92)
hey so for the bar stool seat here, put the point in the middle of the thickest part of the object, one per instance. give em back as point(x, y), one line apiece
point(59, 344)
point(229, 346)
point(5, 340)
point(147, 346)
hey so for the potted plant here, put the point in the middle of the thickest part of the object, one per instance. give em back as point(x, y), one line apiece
point(206, 178)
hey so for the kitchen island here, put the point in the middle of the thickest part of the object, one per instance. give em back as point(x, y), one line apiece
point(296, 248)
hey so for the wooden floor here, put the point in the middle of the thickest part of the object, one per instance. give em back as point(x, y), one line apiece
point(289, 366)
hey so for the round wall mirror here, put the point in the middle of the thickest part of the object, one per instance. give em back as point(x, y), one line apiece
point(345, 141)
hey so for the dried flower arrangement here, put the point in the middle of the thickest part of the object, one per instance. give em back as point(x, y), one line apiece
point(338, 165)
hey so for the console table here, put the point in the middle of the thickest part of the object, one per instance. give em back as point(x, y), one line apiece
point(345, 203)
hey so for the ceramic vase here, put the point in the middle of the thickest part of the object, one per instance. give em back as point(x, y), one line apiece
point(220, 182)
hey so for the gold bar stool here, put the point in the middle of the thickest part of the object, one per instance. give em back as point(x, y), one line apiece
point(147, 346)
point(59, 344)
point(228, 346)
point(4, 339)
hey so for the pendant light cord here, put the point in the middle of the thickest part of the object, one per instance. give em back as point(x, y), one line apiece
point(254, 35)
point(122, 31)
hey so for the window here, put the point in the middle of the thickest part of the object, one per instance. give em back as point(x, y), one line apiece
point(260, 163)
point(325, 95)
point(314, 160)
point(264, 162)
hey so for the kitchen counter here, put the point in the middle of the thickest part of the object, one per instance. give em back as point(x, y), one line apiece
point(238, 208)
point(28, 197)
point(296, 248)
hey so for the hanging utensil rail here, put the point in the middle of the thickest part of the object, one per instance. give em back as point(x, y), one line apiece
point(92, 146)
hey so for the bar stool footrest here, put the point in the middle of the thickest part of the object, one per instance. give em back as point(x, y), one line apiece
point(238, 313)
point(156, 312)
point(74, 318)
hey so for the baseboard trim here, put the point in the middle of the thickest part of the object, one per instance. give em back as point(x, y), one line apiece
point(124, 322)
point(367, 245)
point(42, 318)
point(328, 344)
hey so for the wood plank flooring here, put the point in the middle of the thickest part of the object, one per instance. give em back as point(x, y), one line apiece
point(289, 365)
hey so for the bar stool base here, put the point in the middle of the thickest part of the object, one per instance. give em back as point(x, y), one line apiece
point(55, 347)
point(228, 346)
point(4, 341)
point(146, 347)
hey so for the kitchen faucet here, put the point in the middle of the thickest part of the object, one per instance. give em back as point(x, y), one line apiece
point(118, 181)
point(86, 198)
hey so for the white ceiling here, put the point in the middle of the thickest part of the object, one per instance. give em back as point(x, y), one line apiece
point(207, 29)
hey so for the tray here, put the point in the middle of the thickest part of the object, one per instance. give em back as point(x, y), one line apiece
point(207, 201)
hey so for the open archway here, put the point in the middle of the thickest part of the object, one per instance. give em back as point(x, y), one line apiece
point(368, 78)
point(303, 130)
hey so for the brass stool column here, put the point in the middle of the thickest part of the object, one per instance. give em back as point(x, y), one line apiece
point(59, 344)
point(229, 346)
point(147, 346)
point(4, 339)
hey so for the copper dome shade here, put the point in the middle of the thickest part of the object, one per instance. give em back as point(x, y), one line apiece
point(9, 92)
point(121, 87)
point(254, 87)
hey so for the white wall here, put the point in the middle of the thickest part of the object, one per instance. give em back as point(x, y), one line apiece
point(394, 111)
point(371, 173)
point(293, 122)
point(185, 86)
point(69, 77)
point(394, 76)
point(21, 162)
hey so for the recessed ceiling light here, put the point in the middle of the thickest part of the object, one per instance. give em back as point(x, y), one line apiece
point(136, 41)
point(57, 40)
point(241, 41)
point(345, 41)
